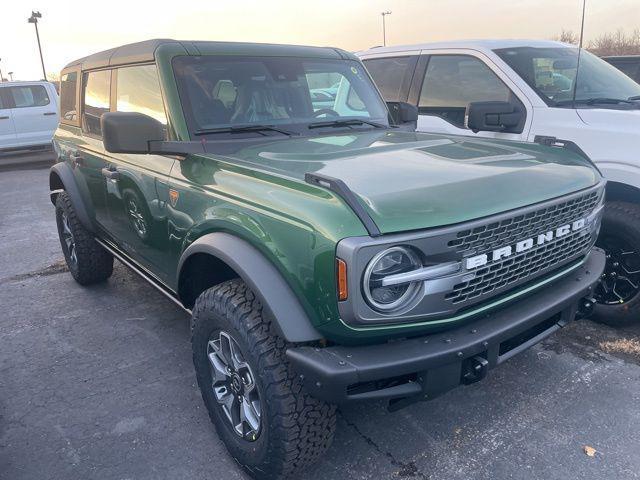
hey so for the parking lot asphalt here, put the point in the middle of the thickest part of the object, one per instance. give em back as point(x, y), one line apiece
point(97, 383)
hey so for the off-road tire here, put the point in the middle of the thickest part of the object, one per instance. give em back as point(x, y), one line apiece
point(94, 264)
point(296, 428)
point(621, 219)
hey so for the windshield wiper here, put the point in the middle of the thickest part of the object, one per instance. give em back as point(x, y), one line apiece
point(596, 101)
point(634, 98)
point(244, 129)
point(346, 123)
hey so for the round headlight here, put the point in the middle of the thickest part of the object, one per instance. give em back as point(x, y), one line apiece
point(389, 262)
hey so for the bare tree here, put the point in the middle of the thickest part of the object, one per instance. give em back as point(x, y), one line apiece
point(617, 43)
point(567, 36)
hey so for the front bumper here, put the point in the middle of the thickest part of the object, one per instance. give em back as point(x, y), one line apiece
point(428, 366)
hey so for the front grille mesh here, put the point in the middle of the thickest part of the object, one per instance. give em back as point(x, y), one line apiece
point(516, 269)
point(498, 234)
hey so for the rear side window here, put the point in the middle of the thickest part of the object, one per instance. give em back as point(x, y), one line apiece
point(138, 90)
point(68, 97)
point(26, 96)
point(2, 91)
point(392, 75)
point(453, 81)
point(97, 88)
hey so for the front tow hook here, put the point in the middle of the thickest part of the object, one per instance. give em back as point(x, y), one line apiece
point(475, 369)
point(586, 307)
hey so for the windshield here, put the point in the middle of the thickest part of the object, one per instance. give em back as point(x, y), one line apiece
point(552, 71)
point(227, 94)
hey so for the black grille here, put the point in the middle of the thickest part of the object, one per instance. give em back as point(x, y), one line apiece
point(513, 269)
point(508, 232)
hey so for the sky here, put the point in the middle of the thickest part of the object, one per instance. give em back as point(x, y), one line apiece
point(73, 29)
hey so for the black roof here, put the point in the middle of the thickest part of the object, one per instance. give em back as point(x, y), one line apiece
point(131, 53)
point(145, 52)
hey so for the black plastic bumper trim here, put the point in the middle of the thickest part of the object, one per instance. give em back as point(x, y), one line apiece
point(437, 361)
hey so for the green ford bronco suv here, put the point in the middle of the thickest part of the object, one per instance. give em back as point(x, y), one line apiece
point(325, 252)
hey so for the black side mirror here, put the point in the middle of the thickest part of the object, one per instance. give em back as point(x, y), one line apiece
point(494, 117)
point(129, 132)
point(403, 113)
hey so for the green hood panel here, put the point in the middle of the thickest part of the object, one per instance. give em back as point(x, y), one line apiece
point(411, 181)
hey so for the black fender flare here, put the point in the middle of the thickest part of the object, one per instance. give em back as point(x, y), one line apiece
point(64, 173)
point(263, 278)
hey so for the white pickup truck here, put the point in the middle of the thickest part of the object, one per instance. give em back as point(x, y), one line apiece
point(28, 114)
point(524, 90)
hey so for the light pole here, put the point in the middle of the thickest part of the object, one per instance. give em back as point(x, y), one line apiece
point(384, 32)
point(34, 19)
point(11, 76)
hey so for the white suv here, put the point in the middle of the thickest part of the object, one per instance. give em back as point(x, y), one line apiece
point(28, 114)
point(524, 90)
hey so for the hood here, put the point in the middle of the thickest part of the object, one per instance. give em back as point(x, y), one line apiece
point(410, 181)
point(624, 121)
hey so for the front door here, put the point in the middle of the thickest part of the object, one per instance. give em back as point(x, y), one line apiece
point(137, 185)
point(449, 83)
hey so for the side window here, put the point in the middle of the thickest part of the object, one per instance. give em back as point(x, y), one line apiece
point(96, 96)
point(451, 82)
point(68, 97)
point(29, 96)
point(138, 90)
point(2, 91)
point(391, 75)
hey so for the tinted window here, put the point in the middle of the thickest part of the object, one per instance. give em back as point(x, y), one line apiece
point(138, 90)
point(96, 100)
point(29, 96)
point(68, 98)
point(453, 81)
point(2, 90)
point(390, 74)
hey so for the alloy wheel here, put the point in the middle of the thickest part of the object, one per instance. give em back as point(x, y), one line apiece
point(69, 239)
point(620, 281)
point(234, 386)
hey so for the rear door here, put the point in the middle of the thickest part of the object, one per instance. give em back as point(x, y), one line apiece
point(34, 111)
point(89, 159)
point(7, 129)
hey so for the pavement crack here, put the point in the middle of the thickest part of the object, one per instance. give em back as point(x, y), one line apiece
point(53, 269)
point(405, 469)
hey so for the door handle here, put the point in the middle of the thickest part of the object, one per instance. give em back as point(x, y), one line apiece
point(4, 117)
point(111, 173)
point(49, 113)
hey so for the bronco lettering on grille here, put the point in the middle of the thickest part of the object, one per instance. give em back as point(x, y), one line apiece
point(524, 245)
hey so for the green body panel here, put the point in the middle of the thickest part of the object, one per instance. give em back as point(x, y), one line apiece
point(296, 226)
point(255, 189)
point(411, 181)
